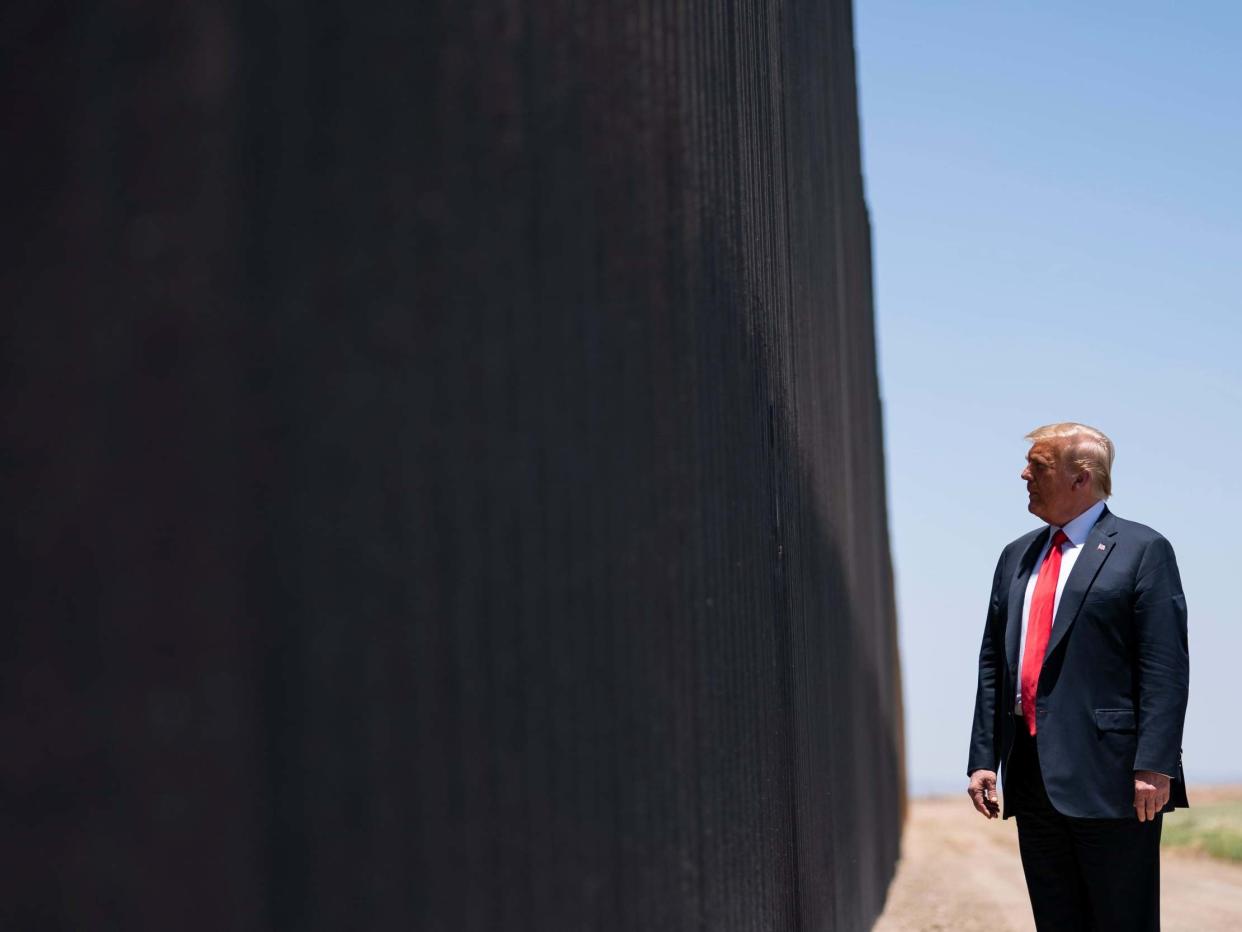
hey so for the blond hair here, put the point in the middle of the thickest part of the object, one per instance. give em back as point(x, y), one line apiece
point(1082, 447)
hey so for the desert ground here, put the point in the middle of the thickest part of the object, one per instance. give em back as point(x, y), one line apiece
point(960, 872)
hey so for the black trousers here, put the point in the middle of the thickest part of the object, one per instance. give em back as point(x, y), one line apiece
point(1093, 875)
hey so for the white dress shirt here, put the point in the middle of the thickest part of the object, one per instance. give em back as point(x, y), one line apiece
point(1077, 531)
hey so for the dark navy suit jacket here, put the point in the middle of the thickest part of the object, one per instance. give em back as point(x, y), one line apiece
point(1112, 692)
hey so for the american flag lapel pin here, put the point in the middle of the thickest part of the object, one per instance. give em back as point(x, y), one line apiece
point(1100, 547)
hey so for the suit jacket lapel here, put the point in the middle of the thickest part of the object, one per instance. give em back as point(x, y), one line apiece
point(1095, 551)
point(1017, 595)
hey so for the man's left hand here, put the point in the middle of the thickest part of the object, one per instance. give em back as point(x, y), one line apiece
point(1151, 792)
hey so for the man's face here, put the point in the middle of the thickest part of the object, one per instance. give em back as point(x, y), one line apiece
point(1055, 491)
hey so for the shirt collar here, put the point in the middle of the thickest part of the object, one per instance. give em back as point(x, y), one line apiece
point(1078, 529)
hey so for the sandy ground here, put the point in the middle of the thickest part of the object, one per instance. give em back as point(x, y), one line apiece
point(959, 872)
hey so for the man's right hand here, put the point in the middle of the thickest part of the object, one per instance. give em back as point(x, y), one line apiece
point(982, 792)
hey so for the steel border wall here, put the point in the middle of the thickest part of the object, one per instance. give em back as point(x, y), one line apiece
point(446, 462)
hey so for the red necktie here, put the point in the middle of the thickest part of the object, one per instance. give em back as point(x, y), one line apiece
point(1039, 626)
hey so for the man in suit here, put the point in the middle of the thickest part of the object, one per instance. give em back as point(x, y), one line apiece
point(1083, 678)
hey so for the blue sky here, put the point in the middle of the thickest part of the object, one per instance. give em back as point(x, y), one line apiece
point(1056, 206)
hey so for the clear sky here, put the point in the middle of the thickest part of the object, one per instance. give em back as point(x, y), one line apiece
point(1056, 203)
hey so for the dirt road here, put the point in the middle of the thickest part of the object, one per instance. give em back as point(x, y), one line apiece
point(960, 873)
